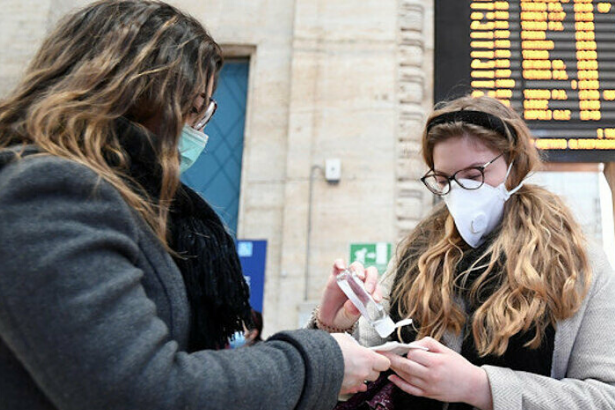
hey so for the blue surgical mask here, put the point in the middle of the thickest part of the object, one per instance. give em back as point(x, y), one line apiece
point(191, 145)
point(237, 340)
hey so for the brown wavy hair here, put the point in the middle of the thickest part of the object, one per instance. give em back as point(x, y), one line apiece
point(142, 60)
point(538, 259)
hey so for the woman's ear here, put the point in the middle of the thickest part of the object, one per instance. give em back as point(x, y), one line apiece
point(251, 334)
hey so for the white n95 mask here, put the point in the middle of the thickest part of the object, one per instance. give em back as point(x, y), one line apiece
point(477, 212)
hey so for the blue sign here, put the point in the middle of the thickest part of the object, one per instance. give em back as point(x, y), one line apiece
point(253, 257)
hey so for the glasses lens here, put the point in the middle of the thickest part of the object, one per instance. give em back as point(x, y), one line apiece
point(470, 178)
point(209, 112)
point(437, 184)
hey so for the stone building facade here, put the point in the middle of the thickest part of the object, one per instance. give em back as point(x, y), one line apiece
point(328, 79)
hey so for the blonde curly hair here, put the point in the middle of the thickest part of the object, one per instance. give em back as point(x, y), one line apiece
point(545, 273)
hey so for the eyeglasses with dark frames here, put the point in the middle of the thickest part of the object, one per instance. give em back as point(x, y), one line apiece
point(440, 184)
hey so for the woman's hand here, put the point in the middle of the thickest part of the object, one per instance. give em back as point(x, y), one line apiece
point(335, 308)
point(360, 364)
point(441, 374)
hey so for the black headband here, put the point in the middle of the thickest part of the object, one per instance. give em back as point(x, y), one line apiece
point(480, 118)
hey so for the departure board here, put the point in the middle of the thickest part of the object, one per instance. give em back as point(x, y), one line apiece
point(552, 61)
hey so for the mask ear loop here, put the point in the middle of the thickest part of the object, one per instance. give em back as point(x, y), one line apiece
point(507, 194)
point(511, 133)
point(511, 136)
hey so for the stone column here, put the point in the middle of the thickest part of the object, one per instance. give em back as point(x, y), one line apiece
point(415, 99)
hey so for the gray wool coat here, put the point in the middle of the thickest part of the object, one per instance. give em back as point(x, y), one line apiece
point(94, 314)
point(583, 366)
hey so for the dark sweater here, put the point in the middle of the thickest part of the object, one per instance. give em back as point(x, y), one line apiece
point(94, 314)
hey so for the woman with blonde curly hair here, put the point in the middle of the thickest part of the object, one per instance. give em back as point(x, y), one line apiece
point(513, 305)
point(119, 286)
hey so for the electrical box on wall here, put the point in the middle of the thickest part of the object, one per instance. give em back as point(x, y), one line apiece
point(333, 170)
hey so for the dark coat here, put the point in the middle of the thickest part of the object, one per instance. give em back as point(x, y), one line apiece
point(94, 313)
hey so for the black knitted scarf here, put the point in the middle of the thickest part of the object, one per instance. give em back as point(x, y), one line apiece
point(217, 291)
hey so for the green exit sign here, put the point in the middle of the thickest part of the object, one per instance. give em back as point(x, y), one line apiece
point(376, 254)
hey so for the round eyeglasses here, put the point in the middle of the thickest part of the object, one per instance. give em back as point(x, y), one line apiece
point(468, 178)
point(206, 117)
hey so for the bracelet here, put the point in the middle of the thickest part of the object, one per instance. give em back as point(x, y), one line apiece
point(330, 329)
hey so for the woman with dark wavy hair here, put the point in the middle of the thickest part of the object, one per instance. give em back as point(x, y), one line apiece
point(511, 301)
point(117, 282)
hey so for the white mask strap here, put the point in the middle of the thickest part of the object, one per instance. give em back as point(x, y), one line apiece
point(512, 191)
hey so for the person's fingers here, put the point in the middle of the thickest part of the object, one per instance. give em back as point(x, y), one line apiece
point(408, 368)
point(432, 344)
point(360, 387)
point(381, 363)
point(395, 360)
point(377, 295)
point(372, 376)
point(358, 268)
point(331, 286)
point(421, 357)
point(430, 357)
point(351, 310)
point(405, 386)
point(338, 266)
point(352, 390)
point(371, 279)
point(414, 381)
